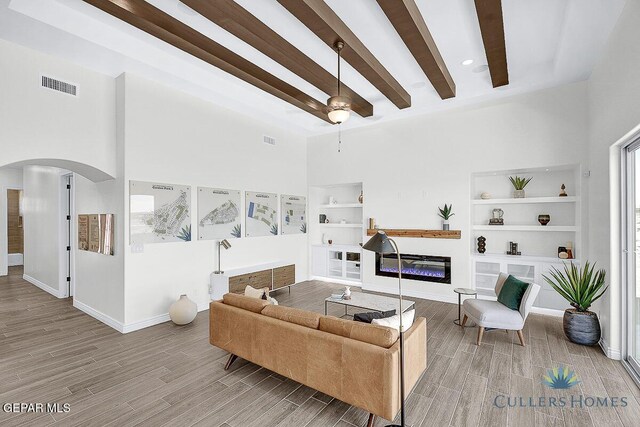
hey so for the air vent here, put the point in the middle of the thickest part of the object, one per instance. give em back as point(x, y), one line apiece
point(59, 85)
point(269, 140)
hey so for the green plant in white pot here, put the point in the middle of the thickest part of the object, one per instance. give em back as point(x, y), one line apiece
point(518, 186)
point(581, 287)
point(445, 213)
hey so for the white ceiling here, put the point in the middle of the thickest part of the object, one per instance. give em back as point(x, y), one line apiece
point(549, 42)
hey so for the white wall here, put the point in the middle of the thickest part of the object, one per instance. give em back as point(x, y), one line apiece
point(9, 179)
point(171, 137)
point(409, 167)
point(42, 239)
point(39, 123)
point(614, 109)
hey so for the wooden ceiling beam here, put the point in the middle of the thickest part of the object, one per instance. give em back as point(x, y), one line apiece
point(492, 28)
point(241, 23)
point(406, 18)
point(157, 23)
point(328, 26)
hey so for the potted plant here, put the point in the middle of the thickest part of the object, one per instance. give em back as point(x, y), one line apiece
point(518, 185)
point(581, 287)
point(445, 214)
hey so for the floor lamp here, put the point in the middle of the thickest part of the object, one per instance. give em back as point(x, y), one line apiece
point(382, 244)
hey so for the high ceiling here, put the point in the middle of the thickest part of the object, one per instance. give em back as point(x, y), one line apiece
point(548, 43)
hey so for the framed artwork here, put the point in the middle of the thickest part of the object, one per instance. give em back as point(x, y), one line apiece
point(159, 213)
point(261, 217)
point(218, 214)
point(293, 214)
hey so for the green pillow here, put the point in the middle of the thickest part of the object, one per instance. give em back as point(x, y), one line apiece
point(512, 292)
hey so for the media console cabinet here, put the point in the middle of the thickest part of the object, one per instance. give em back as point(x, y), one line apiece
point(272, 275)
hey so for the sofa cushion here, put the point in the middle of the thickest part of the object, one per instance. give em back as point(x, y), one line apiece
point(293, 315)
point(359, 331)
point(252, 292)
point(394, 321)
point(512, 292)
point(493, 314)
point(252, 304)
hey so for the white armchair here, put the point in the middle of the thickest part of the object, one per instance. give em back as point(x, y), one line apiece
point(495, 315)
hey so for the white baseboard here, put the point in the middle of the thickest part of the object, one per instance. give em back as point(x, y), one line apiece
point(155, 320)
point(53, 291)
point(338, 281)
point(608, 351)
point(15, 259)
point(547, 311)
point(107, 320)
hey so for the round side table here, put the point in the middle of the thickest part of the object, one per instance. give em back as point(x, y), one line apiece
point(460, 292)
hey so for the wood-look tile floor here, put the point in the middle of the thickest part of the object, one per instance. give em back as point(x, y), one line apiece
point(170, 375)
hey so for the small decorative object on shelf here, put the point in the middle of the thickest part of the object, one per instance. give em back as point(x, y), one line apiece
point(497, 215)
point(544, 219)
point(562, 252)
point(482, 244)
point(485, 196)
point(513, 249)
point(569, 250)
point(330, 241)
point(360, 197)
point(326, 220)
point(372, 223)
point(183, 311)
point(343, 221)
point(446, 213)
point(332, 200)
point(518, 186)
point(323, 218)
point(347, 293)
point(562, 192)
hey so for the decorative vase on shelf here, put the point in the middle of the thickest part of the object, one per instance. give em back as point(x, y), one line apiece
point(347, 292)
point(360, 197)
point(518, 194)
point(544, 219)
point(445, 225)
point(183, 311)
point(482, 244)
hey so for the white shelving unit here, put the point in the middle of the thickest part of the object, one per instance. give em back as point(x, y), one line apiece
point(537, 243)
point(339, 261)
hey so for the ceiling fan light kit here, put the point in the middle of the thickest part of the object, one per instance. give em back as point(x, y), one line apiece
point(339, 107)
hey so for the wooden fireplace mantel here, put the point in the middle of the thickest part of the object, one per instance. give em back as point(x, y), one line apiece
point(424, 234)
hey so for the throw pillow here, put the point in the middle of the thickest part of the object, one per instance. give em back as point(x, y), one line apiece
point(512, 292)
point(254, 293)
point(394, 321)
point(368, 317)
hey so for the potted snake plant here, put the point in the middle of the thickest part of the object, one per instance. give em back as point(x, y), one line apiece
point(518, 186)
point(581, 287)
point(445, 213)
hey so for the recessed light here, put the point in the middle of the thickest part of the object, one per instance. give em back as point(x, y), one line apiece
point(467, 62)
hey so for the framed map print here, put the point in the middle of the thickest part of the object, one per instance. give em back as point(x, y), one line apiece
point(293, 213)
point(159, 213)
point(218, 214)
point(261, 214)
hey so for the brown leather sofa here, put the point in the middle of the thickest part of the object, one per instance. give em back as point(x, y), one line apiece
point(354, 362)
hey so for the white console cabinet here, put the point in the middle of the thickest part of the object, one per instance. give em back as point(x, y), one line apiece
point(340, 262)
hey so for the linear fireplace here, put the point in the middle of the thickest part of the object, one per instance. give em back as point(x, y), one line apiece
point(417, 267)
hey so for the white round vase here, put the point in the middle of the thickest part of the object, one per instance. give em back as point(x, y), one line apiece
point(183, 311)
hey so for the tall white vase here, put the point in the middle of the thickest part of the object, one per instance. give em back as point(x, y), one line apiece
point(183, 311)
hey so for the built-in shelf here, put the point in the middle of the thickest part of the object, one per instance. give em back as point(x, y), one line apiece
point(341, 205)
point(525, 200)
point(424, 234)
point(515, 258)
point(547, 228)
point(338, 225)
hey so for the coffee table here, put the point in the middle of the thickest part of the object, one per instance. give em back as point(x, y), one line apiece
point(370, 302)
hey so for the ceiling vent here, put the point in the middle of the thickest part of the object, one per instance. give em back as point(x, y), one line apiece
point(59, 85)
point(269, 140)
